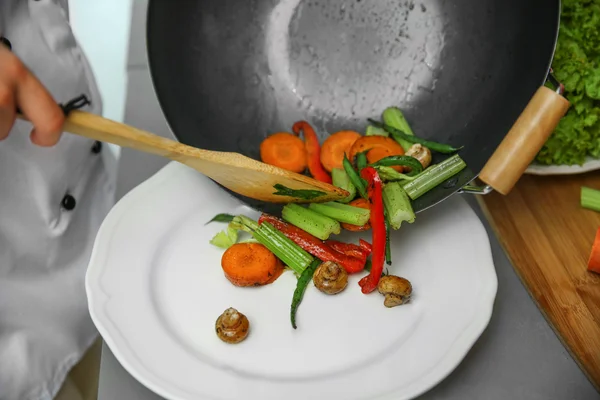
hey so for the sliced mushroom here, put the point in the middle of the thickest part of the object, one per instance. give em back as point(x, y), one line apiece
point(421, 153)
point(397, 290)
point(232, 326)
point(330, 278)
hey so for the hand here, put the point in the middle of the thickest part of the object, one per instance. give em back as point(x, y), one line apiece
point(19, 88)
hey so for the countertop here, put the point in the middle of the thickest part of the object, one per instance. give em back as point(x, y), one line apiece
point(517, 357)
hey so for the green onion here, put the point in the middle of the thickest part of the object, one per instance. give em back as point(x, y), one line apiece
point(400, 136)
point(434, 175)
point(356, 180)
point(397, 205)
point(340, 179)
point(301, 286)
point(374, 131)
point(388, 248)
point(342, 212)
point(393, 117)
point(389, 174)
point(287, 251)
point(590, 198)
point(310, 221)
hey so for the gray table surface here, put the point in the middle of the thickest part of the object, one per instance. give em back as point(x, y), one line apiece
point(517, 357)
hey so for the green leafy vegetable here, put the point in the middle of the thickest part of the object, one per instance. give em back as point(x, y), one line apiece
point(297, 193)
point(577, 65)
point(226, 238)
point(221, 218)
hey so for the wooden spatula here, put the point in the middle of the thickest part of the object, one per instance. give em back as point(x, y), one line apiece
point(236, 172)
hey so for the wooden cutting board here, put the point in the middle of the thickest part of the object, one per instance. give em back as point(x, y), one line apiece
point(548, 237)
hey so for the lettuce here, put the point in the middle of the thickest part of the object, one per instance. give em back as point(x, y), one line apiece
point(576, 64)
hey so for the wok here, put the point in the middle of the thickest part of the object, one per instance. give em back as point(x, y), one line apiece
point(228, 73)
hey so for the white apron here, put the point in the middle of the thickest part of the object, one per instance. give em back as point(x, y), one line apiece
point(52, 201)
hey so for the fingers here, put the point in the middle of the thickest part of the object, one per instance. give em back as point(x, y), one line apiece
point(34, 101)
point(7, 110)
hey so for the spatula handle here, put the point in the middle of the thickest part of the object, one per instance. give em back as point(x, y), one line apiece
point(95, 127)
point(527, 136)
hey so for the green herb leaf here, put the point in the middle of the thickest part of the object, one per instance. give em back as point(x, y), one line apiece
point(221, 218)
point(299, 194)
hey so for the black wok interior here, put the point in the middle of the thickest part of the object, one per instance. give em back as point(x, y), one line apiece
point(228, 73)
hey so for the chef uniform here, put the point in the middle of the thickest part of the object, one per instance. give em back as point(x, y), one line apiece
point(52, 202)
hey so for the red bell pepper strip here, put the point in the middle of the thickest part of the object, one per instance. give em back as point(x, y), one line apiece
point(365, 245)
point(313, 150)
point(377, 220)
point(314, 245)
point(349, 249)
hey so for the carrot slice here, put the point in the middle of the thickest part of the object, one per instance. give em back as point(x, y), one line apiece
point(250, 264)
point(362, 203)
point(594, 260)
point(334, 148)
point(284, 150)
point(378, 147)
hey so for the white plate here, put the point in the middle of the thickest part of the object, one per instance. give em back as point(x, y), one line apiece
point(590, 164)
point(155, 289)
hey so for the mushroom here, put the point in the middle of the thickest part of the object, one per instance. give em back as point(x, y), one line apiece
point(397, 291)
point(232, 326)
point(330, 278)
point(421, 153)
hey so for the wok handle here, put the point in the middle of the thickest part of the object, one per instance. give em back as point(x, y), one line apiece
point(525, 139)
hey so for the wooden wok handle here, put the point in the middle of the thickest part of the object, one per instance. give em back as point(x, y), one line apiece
point(525, 139)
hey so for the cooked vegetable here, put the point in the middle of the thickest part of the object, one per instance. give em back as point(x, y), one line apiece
point(393, 117)
point(388, 174)
point(356, 180)
point(335, 147)
point(297, 193)
point(221, 218)
point(286, 250)
point(434, 175)
point(301, 285)
point(590, 198)
point(377, 220)
point(314, 245)
point(399, 135)
point(342, 212)
point(359, 203)
point(310, 221)
point(421, 153)
point(412, 164)
point(313, 151)
point(576, 64)
point(361, 251)
point(397, 290)
point(225, 238)
point(250, 264)
point(376, 147)
point(284, 150)
point(397, 205)
point(388, 247)
point(330, 278)
point(232, 326)
point(341, 180)
point(361, 160)
point(374, 131)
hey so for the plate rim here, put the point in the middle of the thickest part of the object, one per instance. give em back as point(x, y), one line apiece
point(590, 164)
point(97, 299)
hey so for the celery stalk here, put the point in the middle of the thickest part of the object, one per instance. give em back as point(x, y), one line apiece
point(393, 117)
point(340, 179)
point(342, 212)
point(310, 221)
point(397, 204)
point(590, 198)
point(375, 131)
point(292, 255)
point(433, 176)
